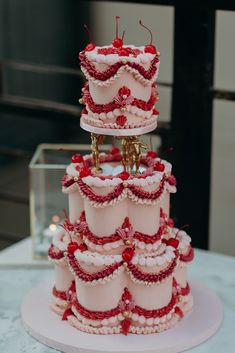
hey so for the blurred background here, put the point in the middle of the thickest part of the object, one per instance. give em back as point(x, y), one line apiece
point(40, 83)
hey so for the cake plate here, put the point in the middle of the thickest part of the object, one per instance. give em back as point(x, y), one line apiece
point(48, 328)
point(117, 132)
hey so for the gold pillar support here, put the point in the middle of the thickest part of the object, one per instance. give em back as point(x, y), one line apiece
point(95, 141)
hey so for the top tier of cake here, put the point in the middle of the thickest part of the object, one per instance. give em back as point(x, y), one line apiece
point(120, 94)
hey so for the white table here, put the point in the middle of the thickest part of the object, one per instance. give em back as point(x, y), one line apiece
point(19, 273)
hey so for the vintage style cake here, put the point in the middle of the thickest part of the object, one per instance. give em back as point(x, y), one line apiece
point(120, 262)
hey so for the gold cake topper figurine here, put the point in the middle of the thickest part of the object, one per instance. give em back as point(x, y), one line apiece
point(131, 151)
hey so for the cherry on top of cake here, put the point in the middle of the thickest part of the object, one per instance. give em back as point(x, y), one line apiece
point(118, 51)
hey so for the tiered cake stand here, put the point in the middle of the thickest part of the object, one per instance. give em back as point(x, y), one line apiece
point(47, 327)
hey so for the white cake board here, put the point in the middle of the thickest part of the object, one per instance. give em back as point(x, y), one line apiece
point(48, 328)
point(117, 132)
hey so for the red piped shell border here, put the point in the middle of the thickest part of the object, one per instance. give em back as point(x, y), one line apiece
point(71, 298)
point(106, 108)
point(113, 69)
point(135, 274)
point(189, 256)
point(119, 193)
point(102, 240)
point(54, 253)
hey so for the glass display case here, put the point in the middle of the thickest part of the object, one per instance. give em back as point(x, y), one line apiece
point(47, 202)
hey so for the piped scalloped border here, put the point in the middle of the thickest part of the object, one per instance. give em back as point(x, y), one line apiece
point(105, 78)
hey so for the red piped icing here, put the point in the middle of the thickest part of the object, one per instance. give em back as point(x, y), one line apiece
point(125, 305)
point(153, 277)
point(118, 103)
point(156, 312)
point(95, 315)
point(102, 240)
point(189, 256)
point(90, 277)
point(54, 253)
point(59, 294)
point(147, 74)
point(125, 325)
point(89, 193)
point(109, 270)
point(101, 315)
point(117, 191)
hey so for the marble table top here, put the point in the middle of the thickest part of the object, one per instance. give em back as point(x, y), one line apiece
point(216, 271)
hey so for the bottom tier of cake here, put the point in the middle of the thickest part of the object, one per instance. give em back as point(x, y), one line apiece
point(126, 317)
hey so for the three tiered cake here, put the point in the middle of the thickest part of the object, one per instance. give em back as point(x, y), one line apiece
point(120, 263)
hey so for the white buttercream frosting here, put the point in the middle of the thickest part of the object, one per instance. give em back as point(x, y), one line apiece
point(110, 59)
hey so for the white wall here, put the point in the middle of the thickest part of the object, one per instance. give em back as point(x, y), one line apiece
point(222, 234)
point(161, 20)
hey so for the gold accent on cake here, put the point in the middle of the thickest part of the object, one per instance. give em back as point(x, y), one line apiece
point(128, 242)
point(126, 314)
point(95, 141)
point(132, 147)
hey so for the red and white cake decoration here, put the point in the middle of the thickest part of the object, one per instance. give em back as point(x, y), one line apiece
point(120, 262)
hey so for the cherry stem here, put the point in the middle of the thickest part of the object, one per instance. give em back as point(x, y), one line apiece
point(88, 32)
point(117, 18)
point(65, 213)
point(184, 226)
point(123, 34)
point(62, 225)
point(151, 142)
point(168, 150)
point(151, 35)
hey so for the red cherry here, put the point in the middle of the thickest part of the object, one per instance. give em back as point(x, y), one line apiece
point(72, 246)
point(84, 172)
point(173, 242)
point(82, 247)
point(117, 42)
point(128, 254)
point(152, 154)
point(114, 150)
point(150, 48)
point(124, 175)
point(124, 52)
point(125, 325)
point(172, 180)
point(179, 312)
point(170, 222)
point(77, 158)
point(90, 47)
point(159, 167)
